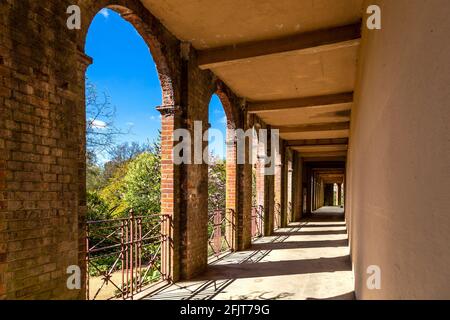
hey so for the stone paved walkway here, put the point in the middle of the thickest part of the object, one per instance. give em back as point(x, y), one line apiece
point(307, 260)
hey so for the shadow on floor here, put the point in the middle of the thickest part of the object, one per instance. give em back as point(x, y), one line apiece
point(327, 214)
point(227, 273)
point(300, 244)
point(345, 296)
point(276, 268)
point(323, 225)
point(312, 233)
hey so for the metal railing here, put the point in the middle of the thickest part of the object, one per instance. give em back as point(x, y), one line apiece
point(124, 255)
point(257, 221)
point(220, 232)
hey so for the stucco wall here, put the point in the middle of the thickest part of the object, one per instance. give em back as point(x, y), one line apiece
point(400, 153)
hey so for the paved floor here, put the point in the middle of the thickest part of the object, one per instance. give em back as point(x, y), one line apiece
point(308, 260)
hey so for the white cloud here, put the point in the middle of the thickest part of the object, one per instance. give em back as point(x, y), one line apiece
point(98, 124)
point(104, 13)
point(155, 118)
point(130, 124)
point(223, 120)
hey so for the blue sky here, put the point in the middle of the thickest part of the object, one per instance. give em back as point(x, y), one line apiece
point(124, 68)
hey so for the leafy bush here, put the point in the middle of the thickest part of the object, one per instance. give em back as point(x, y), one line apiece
point(143, 183)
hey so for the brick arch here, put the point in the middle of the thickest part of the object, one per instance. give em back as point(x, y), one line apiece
point(226, 98)
point(229, 104)
point(164, 49)
point(159, 41)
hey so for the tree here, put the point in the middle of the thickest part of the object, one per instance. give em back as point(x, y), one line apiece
point(100, 115)
point(216, 184)
point(126, 151)
point(97, 209)
point(131, 179)
point(114, 192)
point(143, 183)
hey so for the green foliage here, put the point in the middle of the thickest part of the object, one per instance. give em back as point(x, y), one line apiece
point(97, 209)
point(216, 185)
point(95, 179)
point(124, 183)
point(131, 179)
point(142, 183)
point(113, 193)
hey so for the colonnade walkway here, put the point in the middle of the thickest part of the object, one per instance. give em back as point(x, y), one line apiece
point(307, 260)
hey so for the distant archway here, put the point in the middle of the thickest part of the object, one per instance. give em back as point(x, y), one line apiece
point(222, 205)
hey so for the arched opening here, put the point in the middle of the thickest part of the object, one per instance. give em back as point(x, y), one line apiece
point(124, 246)
point(221, 177)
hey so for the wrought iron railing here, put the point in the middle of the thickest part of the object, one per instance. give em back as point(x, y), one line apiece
point(124, 255)
point(257, 221)
point(220, 232)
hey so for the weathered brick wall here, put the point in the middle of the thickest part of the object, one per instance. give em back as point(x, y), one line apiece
point(265, 183)
point(42, 146)
point(244, 192)
point(42, 138)
point(198, 88)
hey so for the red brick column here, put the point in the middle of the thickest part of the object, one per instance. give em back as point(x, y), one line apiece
point(278, 188)
point(244, 192)
point(170, 192)
point(284, 207)
point(265, 188)
point(297, 199)
point(231, 188)
point(260, 186)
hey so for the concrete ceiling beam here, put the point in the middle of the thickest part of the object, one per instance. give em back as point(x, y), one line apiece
point(316, 142)
point(315, 127)
point(308, 102)
point(310, 42)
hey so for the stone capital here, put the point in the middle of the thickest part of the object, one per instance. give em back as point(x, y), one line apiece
point(169, 110)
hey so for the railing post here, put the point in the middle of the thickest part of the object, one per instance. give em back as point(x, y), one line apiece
point(253, 221)
point(132, 240)
point(139, 255)
point(127, 254)
point(131, 244)
point(87, 262)
point(260, 219)
point(169, 246)
point(122, 255)
point(164, 250)
point(217, 239)
point(230, 228)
